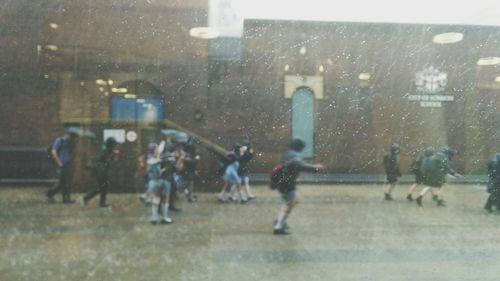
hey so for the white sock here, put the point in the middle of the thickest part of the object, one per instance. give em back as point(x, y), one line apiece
point(233, 189)
point(247, 189)
point(281, 220)
point(154, 212)
point(165, 210)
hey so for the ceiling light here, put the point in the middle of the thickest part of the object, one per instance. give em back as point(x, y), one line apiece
point(119, 90)
point(497, 79)
point(100, 82)
point(364, 76)
point(110, 82)
point(448, 38)
point(321, 68)
point(51, 47)
point(129, 96)
point(488, 61)
point(53, 25)
point(303, 50)
point(204, 32)
point(287, 67)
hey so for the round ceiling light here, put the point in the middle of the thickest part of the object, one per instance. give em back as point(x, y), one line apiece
point(448, 38)
point(365, 76)
point(488, 61)
point(204, 32)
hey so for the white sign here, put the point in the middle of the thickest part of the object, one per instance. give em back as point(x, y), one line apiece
point(131, 136)
point(223, 16)
point(117, 134)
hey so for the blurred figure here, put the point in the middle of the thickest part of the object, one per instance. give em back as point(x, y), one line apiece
point(158, 187)
point(293, 164)
point(435, 169)
point(416, 169)
point(231, 176)
point(100, 169)
point(243, 171)
point(392, 171)
point(62, 155)
point(186, 171)
point(145, 197)
point(493, 186)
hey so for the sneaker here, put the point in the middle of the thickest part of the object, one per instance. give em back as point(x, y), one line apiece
point(387, 196)
point(221, 199)
point(285, 225)
point(243, 201)
point(154, 222)
point(166, 221)
point(435, 197)
point(280, 231)
point(440, 203)
point(409, 197)
point(419, 201)
point(232, 199)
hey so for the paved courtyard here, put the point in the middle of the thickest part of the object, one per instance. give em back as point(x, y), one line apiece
point(340, 232)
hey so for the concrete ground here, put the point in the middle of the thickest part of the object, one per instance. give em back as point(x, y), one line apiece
point(340, 232)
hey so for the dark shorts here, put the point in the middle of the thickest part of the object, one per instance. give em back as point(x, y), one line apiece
point(289, 197)
point(392, 178)
point(419, 179)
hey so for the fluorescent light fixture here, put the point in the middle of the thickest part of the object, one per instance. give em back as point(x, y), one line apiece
point(119, 90)
point(497, 79)
point(448, 38)
point(204, 32)
point(488, 61)
point(101, 82)
point(53, 25)
point(130, 96)
point(364, 76)
point(51, 47)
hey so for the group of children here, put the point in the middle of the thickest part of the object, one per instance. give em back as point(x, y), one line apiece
point(171, 167)
point(431, 168)
point(235, 174)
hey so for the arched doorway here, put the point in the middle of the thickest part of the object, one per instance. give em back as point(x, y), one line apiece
point(303, 119)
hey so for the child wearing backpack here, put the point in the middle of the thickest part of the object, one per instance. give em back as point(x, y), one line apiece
point(186, 171)
point(435, 169)
point(415, 169)
point(286, 180)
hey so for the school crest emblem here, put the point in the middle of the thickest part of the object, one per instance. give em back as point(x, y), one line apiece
point(431, 80)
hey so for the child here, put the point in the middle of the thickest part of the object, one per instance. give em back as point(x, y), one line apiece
point(392, 170)
point(293, 165)
point(158, 187)
point(231, 176)
point(186, 170)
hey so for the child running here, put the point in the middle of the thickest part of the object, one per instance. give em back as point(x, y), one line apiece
point(293, 164)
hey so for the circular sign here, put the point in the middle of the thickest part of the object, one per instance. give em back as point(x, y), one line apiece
point(131, 136)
